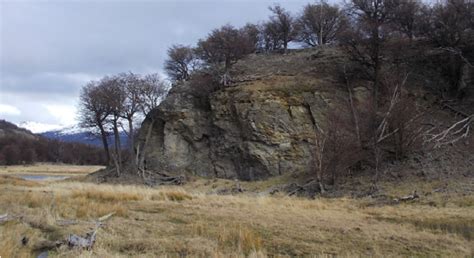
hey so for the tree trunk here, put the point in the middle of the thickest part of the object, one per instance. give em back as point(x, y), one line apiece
point(103, 135)
point(321, 23)
point(118, 155)
point(353, 110)
point(377, 164)
point(131, 141)
point(376, 60)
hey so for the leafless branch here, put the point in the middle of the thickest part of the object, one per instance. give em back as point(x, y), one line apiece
point(452, 134)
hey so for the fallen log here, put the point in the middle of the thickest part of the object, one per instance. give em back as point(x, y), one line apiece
point(410, 197)
point(75, 241)
point(66, 222)
point(310, 188)
point(3, 217)
point(86, 242)
point(106, 217)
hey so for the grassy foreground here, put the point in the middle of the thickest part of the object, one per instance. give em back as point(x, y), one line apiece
point(48, 169)
point(179, 221)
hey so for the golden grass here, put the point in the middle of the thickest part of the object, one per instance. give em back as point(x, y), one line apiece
point(48, 169)
point(14, 181)
point(171, 196)
point(177, 221)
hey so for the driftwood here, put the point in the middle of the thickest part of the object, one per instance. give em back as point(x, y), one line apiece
point(5, 218)
point(310, 189)
point(66, 222)
point(410, 197)
point(74, 241)
point(87, 241)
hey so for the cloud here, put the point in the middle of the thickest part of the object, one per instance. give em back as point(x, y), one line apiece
point(49, 49)
point(9, 110)
point(46, 83)
point(64, 114)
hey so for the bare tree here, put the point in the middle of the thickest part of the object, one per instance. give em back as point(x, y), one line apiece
point(369, 36)
point(180, 63)
point(449, 26)
point(335, 147)
point(407, 17)
point(281, 27)
point(451, 22)
point(94, 111)
point(253, 33)
point(130, 85)
point(115, 97)
point(365, 43)
point(152, 92)
point(320, 24)
point(271, 37)
point(225, 45)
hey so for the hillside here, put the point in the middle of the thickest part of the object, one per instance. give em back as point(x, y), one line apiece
point(8, 129)
point(21, 146)
point(264, 124)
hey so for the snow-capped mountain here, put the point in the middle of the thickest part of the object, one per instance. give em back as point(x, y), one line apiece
point(68, 135)
point(72, 133)
point(36, 127)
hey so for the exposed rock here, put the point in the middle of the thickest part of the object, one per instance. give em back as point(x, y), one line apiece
point(252, 130)
point(246, 134)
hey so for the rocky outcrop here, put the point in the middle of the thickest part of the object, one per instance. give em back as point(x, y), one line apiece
point(251, 131)
point(261, 126)
point(264, 124)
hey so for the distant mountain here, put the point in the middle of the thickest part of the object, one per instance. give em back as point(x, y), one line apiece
point(72, 133)
point(80, 135)
point(21, 146)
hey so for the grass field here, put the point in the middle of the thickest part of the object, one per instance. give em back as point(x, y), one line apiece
point(48, 169)
point(178, 221)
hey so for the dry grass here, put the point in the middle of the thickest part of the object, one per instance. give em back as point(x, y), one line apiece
point(178, 221)
point(14, 181)
point(48, 169)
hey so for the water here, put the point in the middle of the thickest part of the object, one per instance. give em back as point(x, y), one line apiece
point(41, 177)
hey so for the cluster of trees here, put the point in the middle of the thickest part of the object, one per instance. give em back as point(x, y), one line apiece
point(357, 24)
point(376, 36)
point(111, 104)
point(378, 40)
point(318, 24)
point(15, 150)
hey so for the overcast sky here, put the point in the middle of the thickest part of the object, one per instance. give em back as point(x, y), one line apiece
point(49, 49)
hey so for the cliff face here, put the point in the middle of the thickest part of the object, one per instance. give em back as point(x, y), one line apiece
point(262, 126)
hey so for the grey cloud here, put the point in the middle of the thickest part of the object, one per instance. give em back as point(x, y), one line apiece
point(48, 49)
